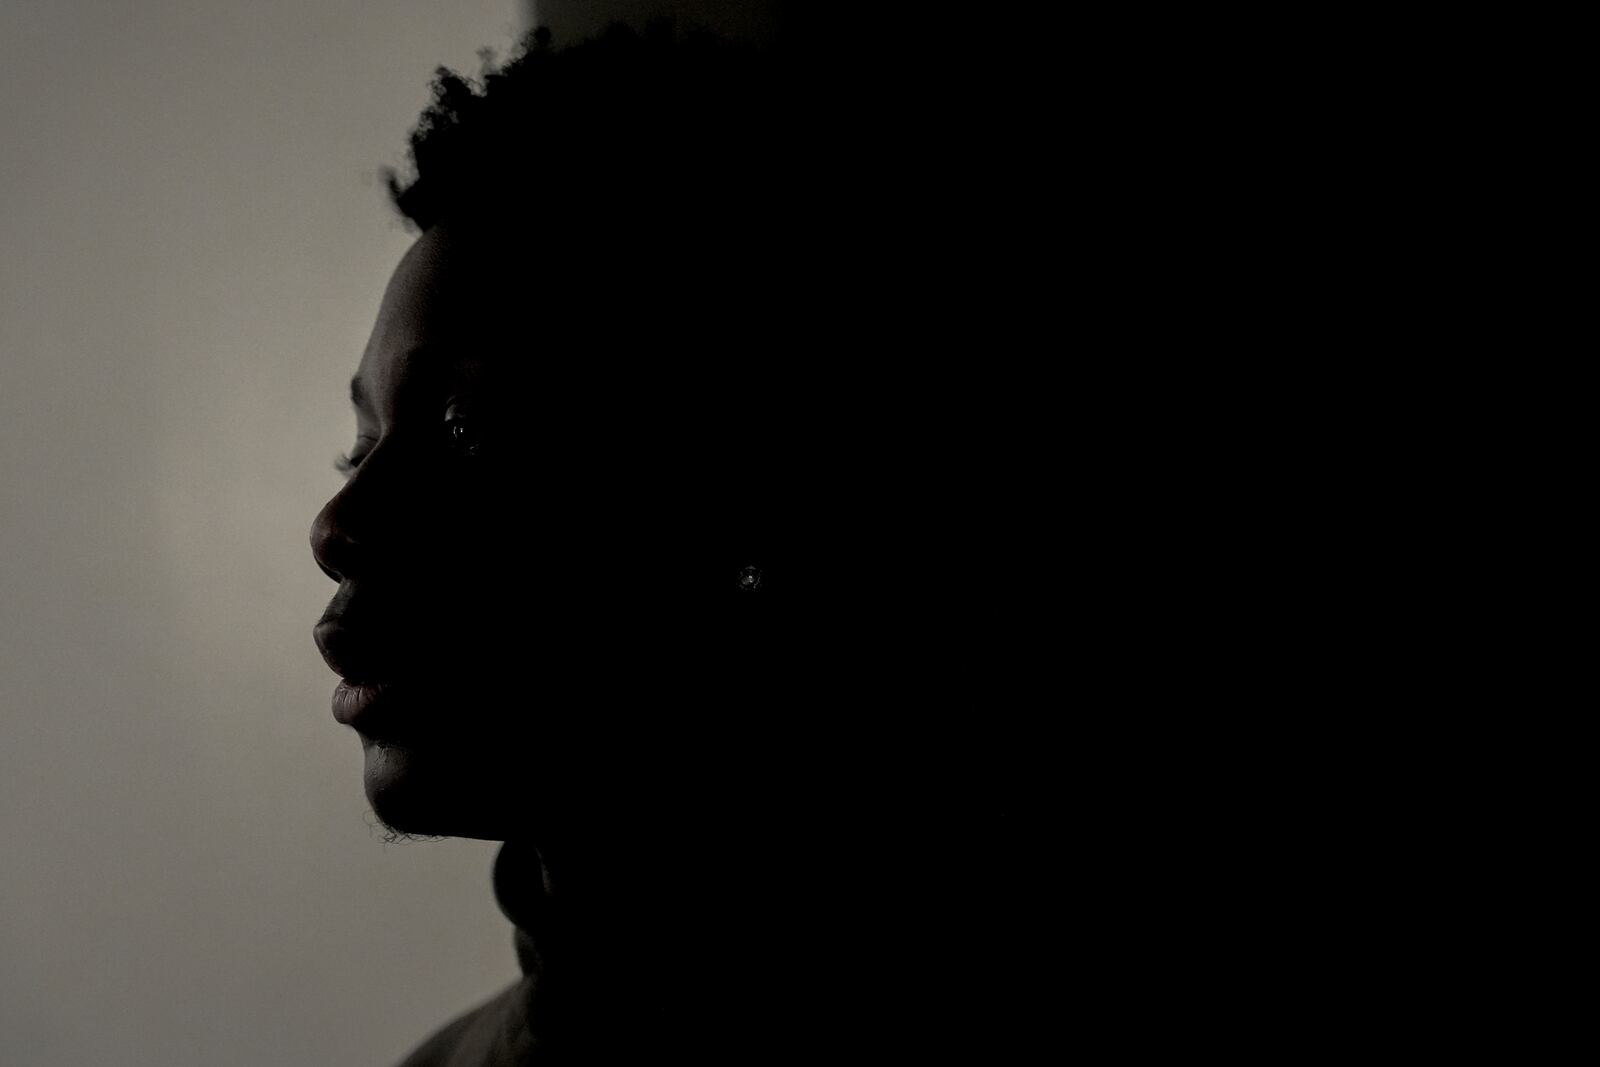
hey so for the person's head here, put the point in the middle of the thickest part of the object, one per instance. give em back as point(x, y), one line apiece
point(576, 419)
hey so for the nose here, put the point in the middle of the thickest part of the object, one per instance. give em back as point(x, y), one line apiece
point(331, 544)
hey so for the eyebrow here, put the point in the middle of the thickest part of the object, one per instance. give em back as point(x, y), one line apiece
point(467, 370)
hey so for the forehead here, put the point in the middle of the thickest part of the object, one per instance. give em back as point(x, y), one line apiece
point(443, 314)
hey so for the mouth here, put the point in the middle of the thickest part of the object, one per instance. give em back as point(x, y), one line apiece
point(351, 654)
point(386, 712)
point(355, 702)
point(367, 697)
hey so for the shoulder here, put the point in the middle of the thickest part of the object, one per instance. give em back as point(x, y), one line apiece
point(495, 1032)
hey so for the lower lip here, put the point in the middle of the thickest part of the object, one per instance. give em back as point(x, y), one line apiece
point(354, 704)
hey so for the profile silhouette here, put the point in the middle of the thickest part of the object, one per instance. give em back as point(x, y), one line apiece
point(625, 576)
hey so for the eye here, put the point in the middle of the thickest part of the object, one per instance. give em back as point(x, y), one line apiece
point(463, 432)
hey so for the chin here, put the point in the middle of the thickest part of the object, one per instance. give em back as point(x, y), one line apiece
point(428, 794)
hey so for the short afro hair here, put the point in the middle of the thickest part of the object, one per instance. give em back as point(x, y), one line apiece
point(688, 121)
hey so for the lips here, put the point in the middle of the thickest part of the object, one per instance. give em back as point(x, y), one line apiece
point(368, 664)
point(349, 655)
point(354, 703)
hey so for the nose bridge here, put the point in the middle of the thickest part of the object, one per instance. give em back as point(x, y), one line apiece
point(370, 515)
point(343, 533)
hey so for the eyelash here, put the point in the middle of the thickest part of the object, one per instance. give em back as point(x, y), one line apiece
point(347, 462)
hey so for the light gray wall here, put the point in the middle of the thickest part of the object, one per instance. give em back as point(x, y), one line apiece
point(192, 247)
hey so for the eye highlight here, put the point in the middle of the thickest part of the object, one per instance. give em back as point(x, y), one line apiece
point(463, 433)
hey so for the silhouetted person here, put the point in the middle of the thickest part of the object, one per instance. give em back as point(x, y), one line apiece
point(643, 569)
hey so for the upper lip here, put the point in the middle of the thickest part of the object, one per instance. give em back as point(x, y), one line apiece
point(351, 655)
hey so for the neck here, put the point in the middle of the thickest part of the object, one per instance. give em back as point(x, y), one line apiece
point(724, 945)
point(690, 930)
